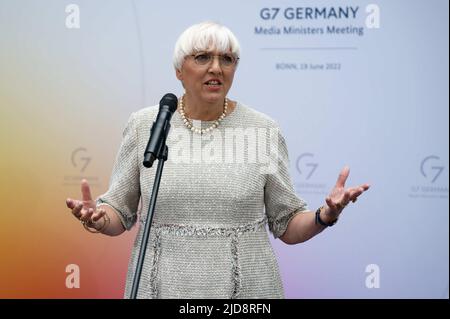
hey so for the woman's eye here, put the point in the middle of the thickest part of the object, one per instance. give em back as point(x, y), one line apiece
point(227, 59)
point(202, 58)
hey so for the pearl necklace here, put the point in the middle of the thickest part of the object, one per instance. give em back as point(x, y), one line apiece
point(197, 130)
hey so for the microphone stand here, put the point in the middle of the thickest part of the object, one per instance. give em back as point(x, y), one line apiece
point(161, 156)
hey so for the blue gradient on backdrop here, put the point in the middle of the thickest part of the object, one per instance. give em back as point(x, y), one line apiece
point(382, 113)
point(365, 116)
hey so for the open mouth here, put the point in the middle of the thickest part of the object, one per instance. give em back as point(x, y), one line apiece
point(213, 83)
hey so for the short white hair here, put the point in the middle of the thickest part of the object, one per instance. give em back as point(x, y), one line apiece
point(204, 36)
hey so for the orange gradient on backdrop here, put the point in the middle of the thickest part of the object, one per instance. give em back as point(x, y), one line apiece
point(44, 117)
point(40, 238)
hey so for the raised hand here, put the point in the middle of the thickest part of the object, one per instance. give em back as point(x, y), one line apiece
point(339, 196)
point(85, 209)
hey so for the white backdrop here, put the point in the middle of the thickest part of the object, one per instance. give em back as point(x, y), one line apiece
point(373, 96)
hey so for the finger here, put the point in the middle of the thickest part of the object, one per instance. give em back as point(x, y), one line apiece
point(359, 191)
point(345, 198)
point(86, 216)
point(70, 203)
point(85, 191)
point(353, 189)
point(362, 188)
point(76, 211)
point(99, 214)
point(342, 178)
point(355, 193)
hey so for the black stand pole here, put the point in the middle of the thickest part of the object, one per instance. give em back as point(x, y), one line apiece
point(162, 157)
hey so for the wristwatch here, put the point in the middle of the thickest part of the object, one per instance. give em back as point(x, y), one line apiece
point(320, 221)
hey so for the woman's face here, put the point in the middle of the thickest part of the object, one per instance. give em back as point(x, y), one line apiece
point(207, 75)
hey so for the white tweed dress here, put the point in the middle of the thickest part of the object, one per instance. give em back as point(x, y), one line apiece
point(218, 192)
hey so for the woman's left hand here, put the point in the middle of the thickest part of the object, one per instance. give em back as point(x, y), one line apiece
point(339, 197)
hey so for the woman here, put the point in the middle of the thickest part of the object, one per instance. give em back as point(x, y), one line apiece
point(208, 237)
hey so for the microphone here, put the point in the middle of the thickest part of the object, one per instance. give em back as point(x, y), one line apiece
point(160, 129)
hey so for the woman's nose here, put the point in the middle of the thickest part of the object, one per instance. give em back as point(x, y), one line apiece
point(215, 66)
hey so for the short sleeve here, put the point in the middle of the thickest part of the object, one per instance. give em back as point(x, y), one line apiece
point(281, 201)
point(124, 193)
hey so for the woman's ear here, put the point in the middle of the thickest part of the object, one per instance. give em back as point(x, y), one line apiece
point(179, 74)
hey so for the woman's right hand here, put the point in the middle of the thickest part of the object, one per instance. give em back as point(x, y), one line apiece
point(85, 209)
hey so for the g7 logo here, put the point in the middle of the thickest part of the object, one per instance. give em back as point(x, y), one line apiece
point(75, 158)
point(269, 13)
point(438, 169)
point(313, 166)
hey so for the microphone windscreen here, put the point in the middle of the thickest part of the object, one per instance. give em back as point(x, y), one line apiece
point(170, 100)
